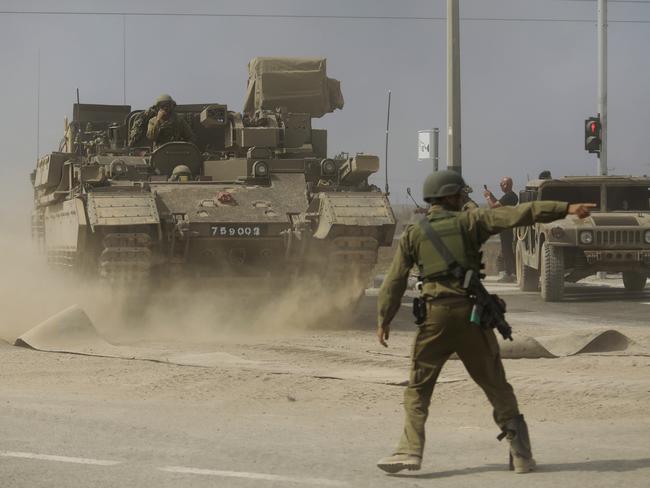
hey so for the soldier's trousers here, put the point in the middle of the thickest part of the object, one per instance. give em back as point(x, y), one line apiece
point(447, 330)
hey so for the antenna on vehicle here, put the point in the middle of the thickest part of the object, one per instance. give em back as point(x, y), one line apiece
point(386, 155)
point(408, 192)
point(76, 114)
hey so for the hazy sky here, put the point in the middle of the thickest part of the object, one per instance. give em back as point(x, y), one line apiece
point(527, 86)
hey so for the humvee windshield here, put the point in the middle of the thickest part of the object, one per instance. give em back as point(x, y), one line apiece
point(623, 198)
point(572, 194)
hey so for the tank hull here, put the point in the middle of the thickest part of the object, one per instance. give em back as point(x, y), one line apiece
point(237, 196)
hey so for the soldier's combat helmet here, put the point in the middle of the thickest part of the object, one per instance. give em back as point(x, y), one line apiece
point(181, 173)
point(165, 98)
point(181, 169)
point(442, 184)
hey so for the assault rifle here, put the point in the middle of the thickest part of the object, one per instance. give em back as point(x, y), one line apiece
point(489, 310)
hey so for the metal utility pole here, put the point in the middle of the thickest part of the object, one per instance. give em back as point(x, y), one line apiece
point(124, 59)
point(602, 84)
point(454, 159)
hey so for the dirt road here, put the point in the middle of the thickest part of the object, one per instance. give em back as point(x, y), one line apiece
point(311, 408)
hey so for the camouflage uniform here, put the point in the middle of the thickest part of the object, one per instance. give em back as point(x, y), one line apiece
point(138, 130)
point(447, 328)
point(175, 128)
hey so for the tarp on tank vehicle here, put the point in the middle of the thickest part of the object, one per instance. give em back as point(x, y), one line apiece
point(300, 85)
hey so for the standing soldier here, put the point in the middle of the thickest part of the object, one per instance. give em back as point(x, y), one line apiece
point(447, 328)
point(166, 125)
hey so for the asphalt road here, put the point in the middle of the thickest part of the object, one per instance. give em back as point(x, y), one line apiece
point(71, 421)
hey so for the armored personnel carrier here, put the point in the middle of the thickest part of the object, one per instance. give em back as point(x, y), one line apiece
point(253, 195)
point(615, 239)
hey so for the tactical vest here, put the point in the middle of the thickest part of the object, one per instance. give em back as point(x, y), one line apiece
point(447, 226)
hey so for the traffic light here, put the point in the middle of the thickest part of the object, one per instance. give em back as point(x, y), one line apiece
point(592, 135)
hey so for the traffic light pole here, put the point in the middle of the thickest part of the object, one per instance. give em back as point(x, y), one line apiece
point(454, 159)
point(602, 84)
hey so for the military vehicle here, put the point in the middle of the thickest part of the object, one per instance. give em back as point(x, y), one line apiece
point(615, 239)
point(254, 195)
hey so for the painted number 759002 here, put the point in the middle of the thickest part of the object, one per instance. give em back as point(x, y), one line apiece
point(235, 231)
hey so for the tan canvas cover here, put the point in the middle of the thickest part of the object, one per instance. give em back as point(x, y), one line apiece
point(300, 85)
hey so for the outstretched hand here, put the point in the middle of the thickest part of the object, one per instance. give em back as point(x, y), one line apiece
point(581, 210)
point(382, 334)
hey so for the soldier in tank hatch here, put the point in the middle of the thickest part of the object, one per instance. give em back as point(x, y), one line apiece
point(166, 125)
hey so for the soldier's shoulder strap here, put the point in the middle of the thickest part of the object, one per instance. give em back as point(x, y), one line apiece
point(432, 235)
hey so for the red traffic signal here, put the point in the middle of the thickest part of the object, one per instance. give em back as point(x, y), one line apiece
point(593, 139)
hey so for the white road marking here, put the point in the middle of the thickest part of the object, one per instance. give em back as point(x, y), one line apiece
point(61, 459)
point(254, 476)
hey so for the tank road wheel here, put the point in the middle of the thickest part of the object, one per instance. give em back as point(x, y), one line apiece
point(527, 277)
point(634, 281)
point(552, 273)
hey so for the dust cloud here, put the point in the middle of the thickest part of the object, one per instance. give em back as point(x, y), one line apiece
point(190, 310)
point(185, 310)
point(29, 290)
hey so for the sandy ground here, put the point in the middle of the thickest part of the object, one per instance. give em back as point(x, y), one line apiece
point(588, 416)
point(310, 409)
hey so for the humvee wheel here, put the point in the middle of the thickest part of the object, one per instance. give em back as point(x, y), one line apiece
point(552, 276)
point(634, 281)
point(527, 277)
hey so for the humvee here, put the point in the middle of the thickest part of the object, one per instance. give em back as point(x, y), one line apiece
point(615, 239)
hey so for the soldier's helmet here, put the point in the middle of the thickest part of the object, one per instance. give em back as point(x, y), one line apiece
point(181, 173)
point(165, 98)
point(442, 184)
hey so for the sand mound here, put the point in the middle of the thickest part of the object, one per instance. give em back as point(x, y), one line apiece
point(71, 331)
point(578, 342)
point(68, 331)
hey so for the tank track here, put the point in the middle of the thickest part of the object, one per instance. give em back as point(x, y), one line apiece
point(126, 258)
